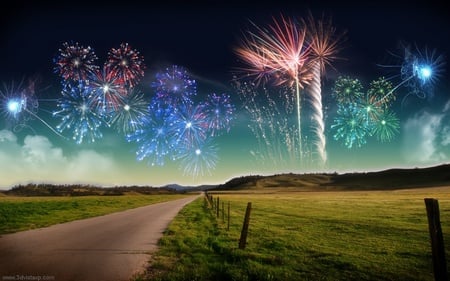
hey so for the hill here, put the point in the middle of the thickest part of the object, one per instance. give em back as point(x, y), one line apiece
point(382, 180)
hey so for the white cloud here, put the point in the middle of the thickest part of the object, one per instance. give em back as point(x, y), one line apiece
point(422, 139)
point(38, 160)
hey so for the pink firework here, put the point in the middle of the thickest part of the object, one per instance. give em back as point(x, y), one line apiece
point(279, 52)
point(75, 62)
point(127, 64)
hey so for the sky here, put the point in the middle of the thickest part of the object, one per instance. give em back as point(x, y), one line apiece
point(262, 134)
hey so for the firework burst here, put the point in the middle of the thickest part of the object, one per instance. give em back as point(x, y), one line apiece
point(126, 64)
point(198, 159)
point(219, 110)
point(419, 71)
point(351, 125)
point(281, 52)
point(175, 85)
point(75, 62)
point(78, 113)
point(132, 112)
point(386, 126)
point(156, 139)
point(107, 90)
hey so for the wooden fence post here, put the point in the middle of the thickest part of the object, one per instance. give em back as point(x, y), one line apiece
point(243, 239)
point(437, 241)
point(223, 211)
point(228, 225)
point(218, 207)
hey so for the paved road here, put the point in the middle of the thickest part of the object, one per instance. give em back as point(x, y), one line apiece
point(111, 247)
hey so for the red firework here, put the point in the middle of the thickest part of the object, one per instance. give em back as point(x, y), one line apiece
point(127, 64)
point(75, 62)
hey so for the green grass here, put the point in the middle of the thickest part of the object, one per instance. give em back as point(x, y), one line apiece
point(23, 213)
point(305, 236)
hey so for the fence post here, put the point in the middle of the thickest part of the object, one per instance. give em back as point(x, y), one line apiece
point(223, 211)
point(243, 239)
point(228, 225)
point(218, 207)
point(437, 241)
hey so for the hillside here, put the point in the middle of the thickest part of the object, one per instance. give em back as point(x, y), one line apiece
point(382, 180)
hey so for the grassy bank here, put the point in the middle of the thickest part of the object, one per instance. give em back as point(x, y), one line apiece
point(23, 213)
point(305, 236)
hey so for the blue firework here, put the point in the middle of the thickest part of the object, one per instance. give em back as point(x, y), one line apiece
point(351, 125)
point(419, 71)
point(18, 103)
point(156, 139)
point(175, 85)
point(198, 158)
point(78, 113)
point(190, 123)
point(219, 111)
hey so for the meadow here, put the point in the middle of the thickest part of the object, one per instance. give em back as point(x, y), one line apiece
point(23, 213)
point(330, 235)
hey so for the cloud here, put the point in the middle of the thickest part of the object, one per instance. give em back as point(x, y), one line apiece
point(38, 160)
point(426, 137)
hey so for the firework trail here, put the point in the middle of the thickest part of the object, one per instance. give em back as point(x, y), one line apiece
point(219, 110)
point(419, 71)
point(78, 112)
point(175, 85)
point(108, 91)
point(275, 132)
point(324, 44)
point(131, 113)
point(280, 52)
point(126, 64)
point(75, 62)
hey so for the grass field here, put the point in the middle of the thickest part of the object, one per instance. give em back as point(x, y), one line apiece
point(351, 235)
point(22, 213)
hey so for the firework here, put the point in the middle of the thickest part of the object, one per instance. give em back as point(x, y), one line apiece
point(350, 125)
point(276, 143)
point(156, 137)
point(279, 51)
point(347, 90)
point(107, 90)
point(175, 85)
point(324, 44)
point(20, 105)
point(126, 64)
point(75, 62)
point(419, 71)
point(378, 90)
point(131, 113)
point(78, 113)
point(386, 126)
point(197, 159)
point(364, 115)
point(219, 111)
point(190, 123)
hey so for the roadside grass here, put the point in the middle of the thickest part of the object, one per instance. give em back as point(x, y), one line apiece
point(369, 235)
point(23, 213)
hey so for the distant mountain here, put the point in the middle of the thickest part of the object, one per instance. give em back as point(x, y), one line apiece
point(382, 180)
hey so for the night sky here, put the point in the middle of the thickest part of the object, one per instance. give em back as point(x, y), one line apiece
point(201, 38)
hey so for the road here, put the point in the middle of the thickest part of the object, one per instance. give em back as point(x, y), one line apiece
point(111, 247)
